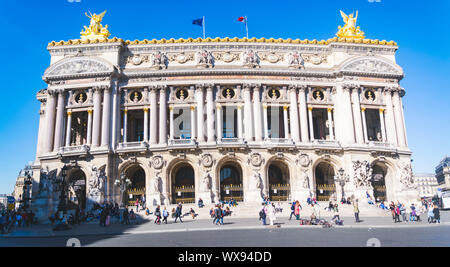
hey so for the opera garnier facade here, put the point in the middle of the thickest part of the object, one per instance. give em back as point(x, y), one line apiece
point(181, 119)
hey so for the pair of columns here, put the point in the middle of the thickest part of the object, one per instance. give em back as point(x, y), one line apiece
point(391, 119)
point(330, 123)
point(154, 122)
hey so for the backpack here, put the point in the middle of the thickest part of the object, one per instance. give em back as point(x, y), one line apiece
point(262, 214)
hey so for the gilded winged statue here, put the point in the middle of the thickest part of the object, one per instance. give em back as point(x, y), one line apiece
point(95, 29)
point(350, 30)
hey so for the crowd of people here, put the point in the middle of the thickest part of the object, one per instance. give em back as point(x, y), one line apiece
point(16, 218)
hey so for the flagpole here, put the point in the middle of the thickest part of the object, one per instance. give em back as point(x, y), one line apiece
point(246, 27)
point(204, 26)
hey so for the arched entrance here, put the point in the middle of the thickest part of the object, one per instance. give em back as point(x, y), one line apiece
point(183, 184)
point(231, 182)
point(279, 179)
point(324, 177)
point(136, 190)
point(77, 190)
point(379, 183)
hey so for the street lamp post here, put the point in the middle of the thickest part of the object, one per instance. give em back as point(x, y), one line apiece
point(62, 206)
point(123, 183)
point(26, 190)
point(342, 179)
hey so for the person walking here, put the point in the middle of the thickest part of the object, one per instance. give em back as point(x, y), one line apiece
point(137, 204)
point(436, 213)
point(263, 214)
point(271, 211)
point(430, 214)
point(336, 213)
point(158, 215)
point(412, 214)
point(165, 214)
point(292, 209)
point(178, 212)
point(403, 212)
point(218, 215)
point(356, 210)
point(397, 214)
point(298, 207)
point(392, 208)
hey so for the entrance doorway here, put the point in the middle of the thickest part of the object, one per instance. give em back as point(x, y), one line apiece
point(231, 183)
point(378, 183)
point(183, 184)
point(325, 186)
point(137, 188)
point(77, 190)
point(279, 188)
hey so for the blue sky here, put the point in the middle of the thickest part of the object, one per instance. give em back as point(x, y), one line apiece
point(421, 29)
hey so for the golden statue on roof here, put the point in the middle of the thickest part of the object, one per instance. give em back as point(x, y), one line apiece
point(350, 30)
point(95, 29)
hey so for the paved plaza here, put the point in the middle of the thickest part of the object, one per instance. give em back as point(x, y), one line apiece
point(244, 232)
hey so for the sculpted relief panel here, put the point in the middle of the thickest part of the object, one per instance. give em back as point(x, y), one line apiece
point(78, 66)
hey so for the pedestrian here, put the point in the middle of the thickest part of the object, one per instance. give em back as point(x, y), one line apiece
point(430, 214)
point(158, 215)
point(143, 202)
point(137, 204)
point(436, 213)
point(298, 207)
point(219, 215)
point(292, 209)
point(396, 214)
point(336, 213)
point(392, 208)
point(165, 215)
point(125, 216)
point(192, 212)
point(356, 210)
point(412, 214)
point(403, 212)
point(262, 214)
point(178, 212)
point(271, 213)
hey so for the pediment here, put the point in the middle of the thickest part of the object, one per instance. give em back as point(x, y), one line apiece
point(79, 66)
point(371, 65)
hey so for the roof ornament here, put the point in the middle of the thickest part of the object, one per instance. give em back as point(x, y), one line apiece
point(350, 30)
point(95, 29)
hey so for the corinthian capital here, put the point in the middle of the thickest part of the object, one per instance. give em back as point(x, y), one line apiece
point(350, 86)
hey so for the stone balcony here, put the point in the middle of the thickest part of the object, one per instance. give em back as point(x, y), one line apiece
point(132, 146)
point(74, 150)
point(182, 144)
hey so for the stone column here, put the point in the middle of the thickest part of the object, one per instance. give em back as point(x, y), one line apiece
point(257, 112)
point(398, 119)
point(97, 117)
point(115, 118)
point(389, 117)
point(59, 127)
point(265, 124)
point(153, 117)
point(383, 128)
point(345, 106)
point(311, 126)
point(363, 115)
point(145, 124)
point(193, 126)
point(330, 123)
point(171, 131)
point(68, 127)
point(248, 119)
point(50, 120)
point(239, 122)
point(162, 116)
point(125, 125)
point(295, 129)
point(200, 117)
point(219, 123)
point(357, 116)
point(89, 128)
point(303, 114)
point(106, 117)
point(210, 114)
point(286, 125)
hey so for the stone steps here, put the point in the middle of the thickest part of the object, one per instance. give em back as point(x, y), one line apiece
point(249, 210)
